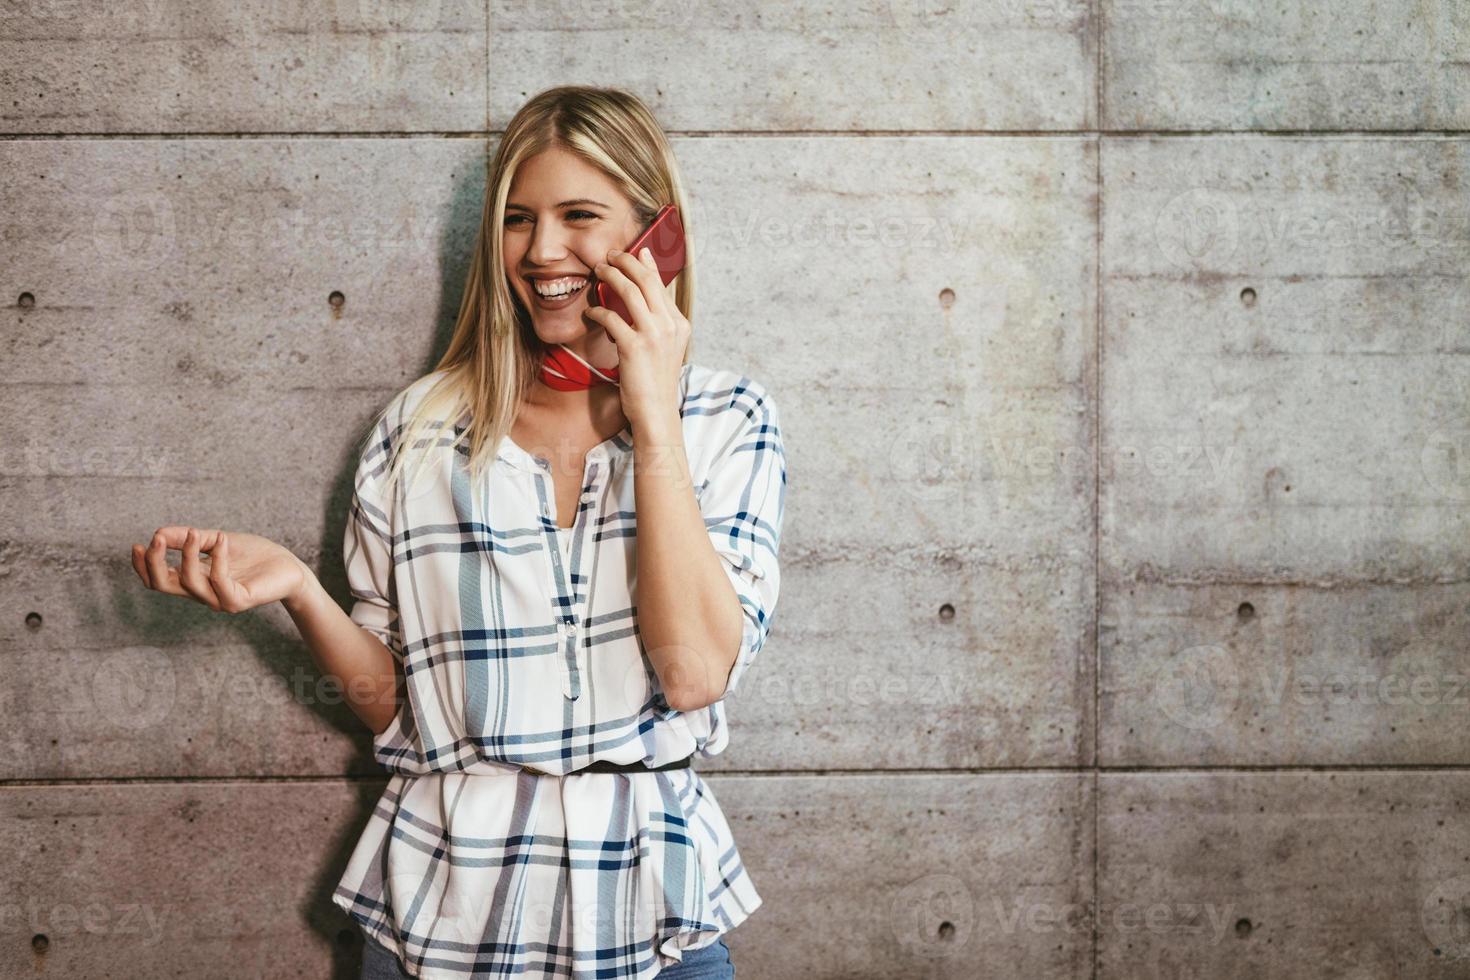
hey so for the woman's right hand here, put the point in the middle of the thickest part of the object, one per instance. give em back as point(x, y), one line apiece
point(243, 571)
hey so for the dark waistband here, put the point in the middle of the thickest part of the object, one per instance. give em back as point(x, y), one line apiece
point(604, 766)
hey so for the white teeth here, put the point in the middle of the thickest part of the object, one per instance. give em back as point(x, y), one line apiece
point(557, 288)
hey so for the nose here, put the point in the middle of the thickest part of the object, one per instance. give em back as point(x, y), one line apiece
point(548, 244)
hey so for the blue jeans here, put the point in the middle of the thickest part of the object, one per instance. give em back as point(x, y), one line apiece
point(710, 963)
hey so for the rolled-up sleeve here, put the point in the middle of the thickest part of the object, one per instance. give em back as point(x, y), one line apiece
point(743, 500)
point(368, 552)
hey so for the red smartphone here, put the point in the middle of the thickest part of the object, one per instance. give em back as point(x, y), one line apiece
point(664, 236)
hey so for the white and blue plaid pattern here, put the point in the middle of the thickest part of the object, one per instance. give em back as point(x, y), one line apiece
point(472, 866)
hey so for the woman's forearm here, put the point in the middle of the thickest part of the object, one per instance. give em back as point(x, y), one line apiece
point(365, 670)
point(689, 614)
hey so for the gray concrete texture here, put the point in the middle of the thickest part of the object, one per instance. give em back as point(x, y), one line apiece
point(1122, 352)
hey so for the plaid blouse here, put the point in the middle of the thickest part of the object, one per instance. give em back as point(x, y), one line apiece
point(520, 647)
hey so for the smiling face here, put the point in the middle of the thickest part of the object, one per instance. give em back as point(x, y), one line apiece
point(562, 215)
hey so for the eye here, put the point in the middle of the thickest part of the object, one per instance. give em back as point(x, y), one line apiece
point(514, 219)
point(580, 215)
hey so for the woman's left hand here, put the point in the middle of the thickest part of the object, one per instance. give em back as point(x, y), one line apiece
point(651, 349)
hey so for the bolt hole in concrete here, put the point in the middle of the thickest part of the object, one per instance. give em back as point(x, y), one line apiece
point(946, 931)
point(40, 943)
point(946, 612)
point(33, 620)
point(25, 301)
point(946, 297)
point(336, 299)
point(1243, 927)
point(1245, 610)
point(1248, 296)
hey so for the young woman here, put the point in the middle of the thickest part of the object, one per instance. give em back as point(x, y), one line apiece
point(562, 552)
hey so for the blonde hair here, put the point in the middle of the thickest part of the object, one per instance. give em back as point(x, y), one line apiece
point(494, 354)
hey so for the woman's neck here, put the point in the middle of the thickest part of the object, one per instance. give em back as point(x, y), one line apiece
point(599, 408)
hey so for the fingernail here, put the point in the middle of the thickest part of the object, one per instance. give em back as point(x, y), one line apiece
point(615, 251)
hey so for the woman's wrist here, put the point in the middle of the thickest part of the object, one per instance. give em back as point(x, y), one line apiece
point(305, 594)
point(665, 428)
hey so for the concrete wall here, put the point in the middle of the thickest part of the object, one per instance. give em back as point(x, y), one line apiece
point(1123, 354)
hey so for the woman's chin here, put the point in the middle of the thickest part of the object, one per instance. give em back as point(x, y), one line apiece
point(560, 326)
